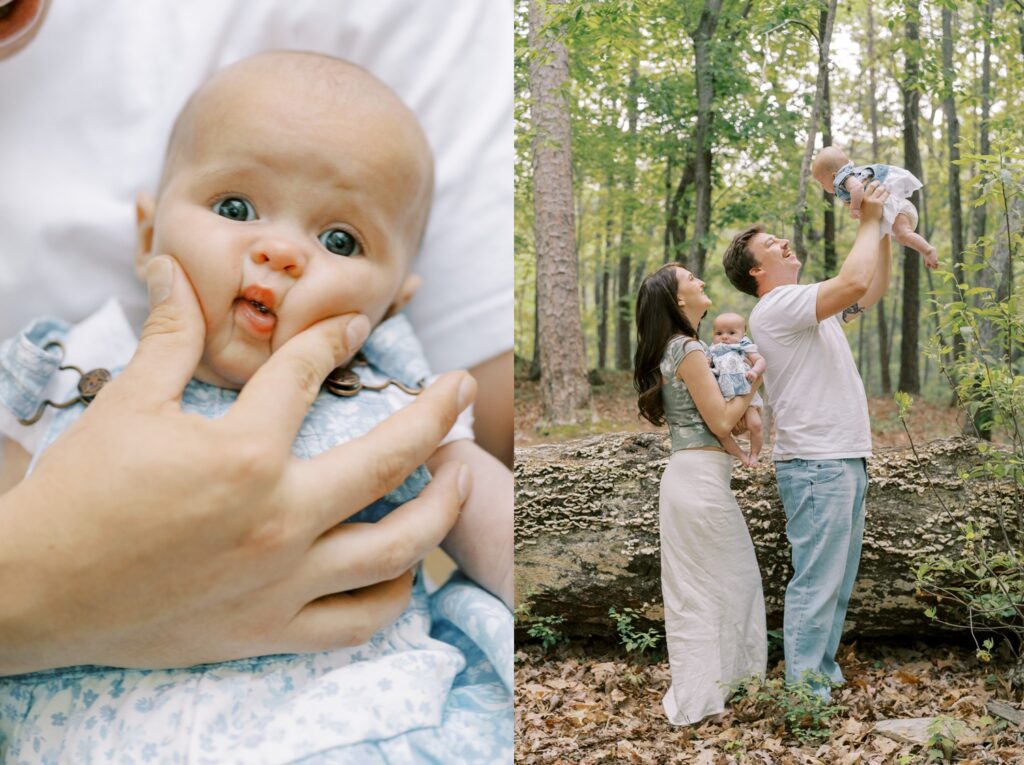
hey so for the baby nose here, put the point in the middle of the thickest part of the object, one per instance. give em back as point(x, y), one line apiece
point(280, 255)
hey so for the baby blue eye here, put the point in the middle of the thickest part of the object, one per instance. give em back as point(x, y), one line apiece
point(340, 242)
point(235, 208)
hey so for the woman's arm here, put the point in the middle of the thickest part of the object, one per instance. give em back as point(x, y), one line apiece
point(481, 541)
point(719, 415)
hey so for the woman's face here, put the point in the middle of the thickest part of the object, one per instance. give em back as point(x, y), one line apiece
point(690, 294)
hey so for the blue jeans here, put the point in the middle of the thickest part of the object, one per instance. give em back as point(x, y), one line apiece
point(824, 503)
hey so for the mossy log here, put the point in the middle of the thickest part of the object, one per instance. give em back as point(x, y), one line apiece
point(587, 529)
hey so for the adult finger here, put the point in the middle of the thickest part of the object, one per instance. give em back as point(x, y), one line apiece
point(172, 337)
point(347, 618)
point(354, 555)
point(278, 396)
point(368, 467)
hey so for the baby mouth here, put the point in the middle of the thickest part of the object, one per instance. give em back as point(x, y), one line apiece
point(259, 306)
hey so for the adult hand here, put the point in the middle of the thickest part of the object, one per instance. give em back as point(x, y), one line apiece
point(874, 199)
point(149, 537)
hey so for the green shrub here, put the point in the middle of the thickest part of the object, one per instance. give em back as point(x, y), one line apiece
point(629, 635)
point(795, 707)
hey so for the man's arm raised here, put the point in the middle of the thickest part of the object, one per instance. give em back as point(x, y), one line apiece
point(856, 274)
point(148, 537)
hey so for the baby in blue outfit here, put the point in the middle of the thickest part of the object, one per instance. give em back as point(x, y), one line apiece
point(736, 362)
point(296, 187)
point(838, 175)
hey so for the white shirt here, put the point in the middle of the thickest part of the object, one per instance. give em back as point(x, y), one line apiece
point(88, 105)
point(811, 382)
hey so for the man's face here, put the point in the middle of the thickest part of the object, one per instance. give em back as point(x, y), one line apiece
point(283, 213)
point(776, 262)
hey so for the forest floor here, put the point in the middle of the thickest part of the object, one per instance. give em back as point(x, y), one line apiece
point(593, 704)
point(583, 705)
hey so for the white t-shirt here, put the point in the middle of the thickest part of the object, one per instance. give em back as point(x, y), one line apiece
point(812, 383)
point(86, 108)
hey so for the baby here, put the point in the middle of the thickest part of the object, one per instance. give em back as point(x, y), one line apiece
point(296, 187)
point(838, 175)
point(736, 363)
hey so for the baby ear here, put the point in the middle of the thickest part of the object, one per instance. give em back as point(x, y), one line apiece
point(145, 208)
point(405, 293)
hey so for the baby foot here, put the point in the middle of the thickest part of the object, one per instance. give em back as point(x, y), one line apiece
point(930, 260)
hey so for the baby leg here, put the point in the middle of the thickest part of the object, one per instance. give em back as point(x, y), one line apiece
point(904, 233)
point(753, 420)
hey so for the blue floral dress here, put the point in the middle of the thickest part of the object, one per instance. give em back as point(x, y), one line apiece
point(730, 366)
point(433, 687)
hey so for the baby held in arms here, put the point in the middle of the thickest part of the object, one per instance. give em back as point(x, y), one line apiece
point(296, 187)
point(736, 362)
point(838, 175)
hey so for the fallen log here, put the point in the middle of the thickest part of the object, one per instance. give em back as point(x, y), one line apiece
point(587, 530)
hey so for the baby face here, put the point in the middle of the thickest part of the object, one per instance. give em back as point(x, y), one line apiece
point(287, 203)
point(728, 329)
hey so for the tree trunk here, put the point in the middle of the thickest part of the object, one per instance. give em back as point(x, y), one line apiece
point(666, 234)
point(1020, 25)
point(565, 393)
point(826, 140)
point(587, 529)
point(910, 379)
point(704, 75)
point(679, 215)
point(812, 130)
point(602, 326)
point(984, 145)
point(952, 139)
point(883, 326)
point(624, 323)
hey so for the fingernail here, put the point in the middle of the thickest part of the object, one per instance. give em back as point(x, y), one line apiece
point(159, 278)
point(467, 389)
point(357, 331)
point(465, 482)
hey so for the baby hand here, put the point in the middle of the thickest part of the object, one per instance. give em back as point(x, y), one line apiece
point(751, 375)
point(855, 214)
point(930, 260)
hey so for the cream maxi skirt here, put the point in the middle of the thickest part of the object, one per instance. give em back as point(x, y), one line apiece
point(714, 607)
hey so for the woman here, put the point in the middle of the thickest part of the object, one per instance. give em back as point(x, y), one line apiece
point(714, 607)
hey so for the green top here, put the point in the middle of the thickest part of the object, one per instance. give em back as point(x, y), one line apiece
point(685, 425)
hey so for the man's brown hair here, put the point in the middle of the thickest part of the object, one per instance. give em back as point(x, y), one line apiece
point(738, 260)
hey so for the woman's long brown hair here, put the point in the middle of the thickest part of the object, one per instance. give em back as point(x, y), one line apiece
point(658, 320)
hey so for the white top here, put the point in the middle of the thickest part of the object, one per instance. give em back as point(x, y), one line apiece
point(88, 105)
point(812, 383)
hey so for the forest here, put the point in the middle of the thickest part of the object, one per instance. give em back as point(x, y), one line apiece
point(653, 131)
point(687, 121)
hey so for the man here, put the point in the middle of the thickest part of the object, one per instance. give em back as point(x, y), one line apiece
point(823, 435)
